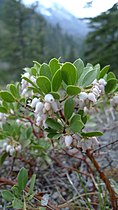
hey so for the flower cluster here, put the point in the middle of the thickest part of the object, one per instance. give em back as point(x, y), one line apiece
point(25, 85)
point(43, 108)
point(97, 90)
point(11, 148)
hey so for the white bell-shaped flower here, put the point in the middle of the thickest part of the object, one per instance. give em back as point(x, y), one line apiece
point(102, 82)
point(68, 140)
point(18, 148)
point(39, 107)
point(49, 98)
point(34, 102)
point(47, 106)
point(91, 97)
point(83, 96)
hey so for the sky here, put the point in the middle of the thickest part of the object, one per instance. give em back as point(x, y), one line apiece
point(78, 7)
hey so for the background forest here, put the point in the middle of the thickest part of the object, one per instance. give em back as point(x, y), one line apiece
point(26, 36)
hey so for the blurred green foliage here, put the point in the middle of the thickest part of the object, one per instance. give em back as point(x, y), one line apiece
point(26, 36)
point(102, 41)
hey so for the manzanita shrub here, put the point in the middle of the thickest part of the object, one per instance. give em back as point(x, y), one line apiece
point(52, 102)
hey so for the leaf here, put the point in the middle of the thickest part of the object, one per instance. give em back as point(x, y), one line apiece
point(91, 134)
point(89, 78)
point(22, 178)
point(68, 108)
point(53, 124)
point(54, 65)
point(28, 132)
point(3, 109)
point(7, 195)
point(104, 71)
point(73, 90)
point(69, 73)
point(54, 135)
point(86, 69)
point(6, 96)
point(56, 80)
point(110, 75)
point(76, 124)
point(45, 71)
point(17, 203)
point(44, 84)
point(32, 183)
point(79, 64)
point(14, 91)
point(111, 85)
point(33, 71)
point(3, 157)
point(97, 68)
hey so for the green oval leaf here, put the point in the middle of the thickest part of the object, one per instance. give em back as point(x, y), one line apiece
point(56, 80)
point(68, 108)
point(45, 71)
point(54, 65)
point(73, 90)
point(91, 134)
point(76, 123)
point(110, 75)
point(53, 124)
point(7, 195)
point(3, 110)
point(32, 183)
point(104, 71)
point(14, 91)
point(69, 73)
point(44, 84)
point(6, 96)
point(111, 85)
point(79, 64)
point(22, 178)
point(89, 78)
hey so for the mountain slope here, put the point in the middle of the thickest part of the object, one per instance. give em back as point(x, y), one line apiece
point(57, 15)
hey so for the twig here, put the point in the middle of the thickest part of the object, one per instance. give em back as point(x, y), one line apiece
point(113, 142)
point(112, 193)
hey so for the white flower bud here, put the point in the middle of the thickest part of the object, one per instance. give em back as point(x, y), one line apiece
point(83, 96)
point(102, 82)
point(95, 82)
point(115, 99)
point(91, 97)
point(96, 91)
point(49, 98)
point(68, 140)
point(11, 151)
point(86, 110)
point(95, 140)
point(34, 102)
point(101, 87)
point(47, 106)
point(24, 92)
point(8, 148)
point(18, 148)
point(18, 121)
point(27, 75)
point(44, 110)
point(5, 145)
point(39, 107)
point(39, 121)
point(33, 79)
point(54, 106)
